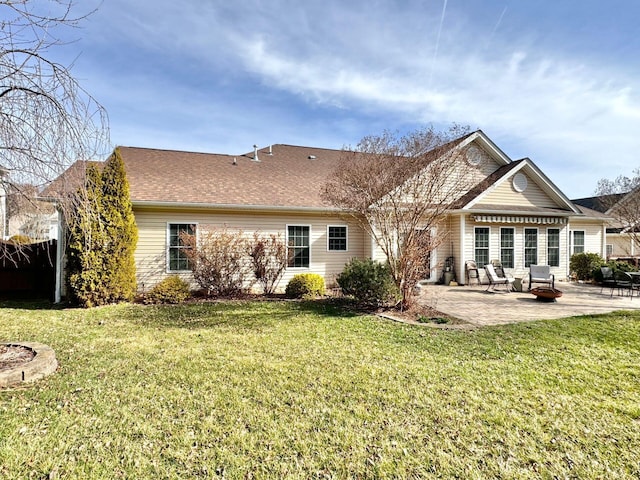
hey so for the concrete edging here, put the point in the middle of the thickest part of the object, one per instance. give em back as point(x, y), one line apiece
point(44, 363)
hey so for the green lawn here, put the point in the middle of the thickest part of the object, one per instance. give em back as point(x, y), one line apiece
point(304, 390)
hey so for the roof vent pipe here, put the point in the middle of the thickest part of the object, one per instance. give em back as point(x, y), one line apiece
point(270, 149)
point(255, 153)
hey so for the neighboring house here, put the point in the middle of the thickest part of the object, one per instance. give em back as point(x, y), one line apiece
point(28, 216)
point(514, 213)
point(621, 240)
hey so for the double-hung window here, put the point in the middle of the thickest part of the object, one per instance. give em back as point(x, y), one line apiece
point(178, 261)
point(577, 244)
point(298, 246)
point(337, 238)
point(507, 244)
point(530, 246)
point(481, 245)
point(553, 247)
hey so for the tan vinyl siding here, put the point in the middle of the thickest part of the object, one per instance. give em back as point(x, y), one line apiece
point(151, 252)
point(505, 194)
point(593, 236)
point(622, 245)
point(449, 233)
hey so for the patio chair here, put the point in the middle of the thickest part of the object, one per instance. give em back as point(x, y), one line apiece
point(623, 282)
point(494, 279)
point(471, 271)
point(541, 274)
point(635, 283)
point(608, 279)
point(497, 266)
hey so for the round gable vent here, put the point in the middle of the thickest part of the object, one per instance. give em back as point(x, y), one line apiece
point(520, 182)
point(474, 156)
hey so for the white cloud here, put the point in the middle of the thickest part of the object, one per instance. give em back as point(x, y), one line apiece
point(557, 106)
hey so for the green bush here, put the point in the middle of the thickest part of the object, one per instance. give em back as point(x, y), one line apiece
point(305, 285)
point(583, 264)
point(172, 289)
point(615, 266)
point(368, 282)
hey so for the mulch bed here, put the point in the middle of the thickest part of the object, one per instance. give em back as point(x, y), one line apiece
point(12, 356)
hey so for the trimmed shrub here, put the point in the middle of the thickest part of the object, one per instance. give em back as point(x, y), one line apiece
point(368, 282)
point(583, 264)
point(305, 285)
point(172, 289)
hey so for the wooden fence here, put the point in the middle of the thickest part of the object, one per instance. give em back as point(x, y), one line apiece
point(28, 271)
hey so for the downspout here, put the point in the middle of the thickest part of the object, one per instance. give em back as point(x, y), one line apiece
point(567, 256)
point(461, 277)
point(59, 258)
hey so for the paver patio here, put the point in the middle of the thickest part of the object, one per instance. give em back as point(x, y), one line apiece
point(475, 305)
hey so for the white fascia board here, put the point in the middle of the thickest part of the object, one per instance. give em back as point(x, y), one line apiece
point(487, 145)
point(534, 171)
point(491, 188)
point(549, 186)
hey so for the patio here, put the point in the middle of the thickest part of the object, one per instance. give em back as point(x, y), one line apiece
point(477, 306)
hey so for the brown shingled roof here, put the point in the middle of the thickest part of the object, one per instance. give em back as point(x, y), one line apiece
point(291, 177)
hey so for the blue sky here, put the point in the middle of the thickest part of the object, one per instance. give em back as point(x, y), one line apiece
point(556, 81)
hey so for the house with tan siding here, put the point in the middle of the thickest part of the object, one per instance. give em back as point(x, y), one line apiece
point(621, 238)
point(514, 213)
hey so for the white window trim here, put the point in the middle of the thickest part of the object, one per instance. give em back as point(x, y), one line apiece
point(512, 248)
point(559, 250)
point(286, 242)
point(584, 238)
point(609, 249)
point(346, 227)
point(168, 244)
point(524, 246)
point(488, 246)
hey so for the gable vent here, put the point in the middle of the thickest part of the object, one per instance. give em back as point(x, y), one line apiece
point(520, 182)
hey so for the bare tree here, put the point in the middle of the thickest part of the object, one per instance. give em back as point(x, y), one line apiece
point(621, 198)
point(47, 120)
point(268, 254)
point(399, 188)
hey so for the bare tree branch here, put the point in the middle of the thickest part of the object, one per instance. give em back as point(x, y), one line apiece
point(47, 120)
point(399, 188)
point(621, 198)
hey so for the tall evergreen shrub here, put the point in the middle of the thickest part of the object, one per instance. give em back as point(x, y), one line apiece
point(120, 228)
point(102, 238)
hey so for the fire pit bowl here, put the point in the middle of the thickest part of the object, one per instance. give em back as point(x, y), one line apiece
point(546, 294)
